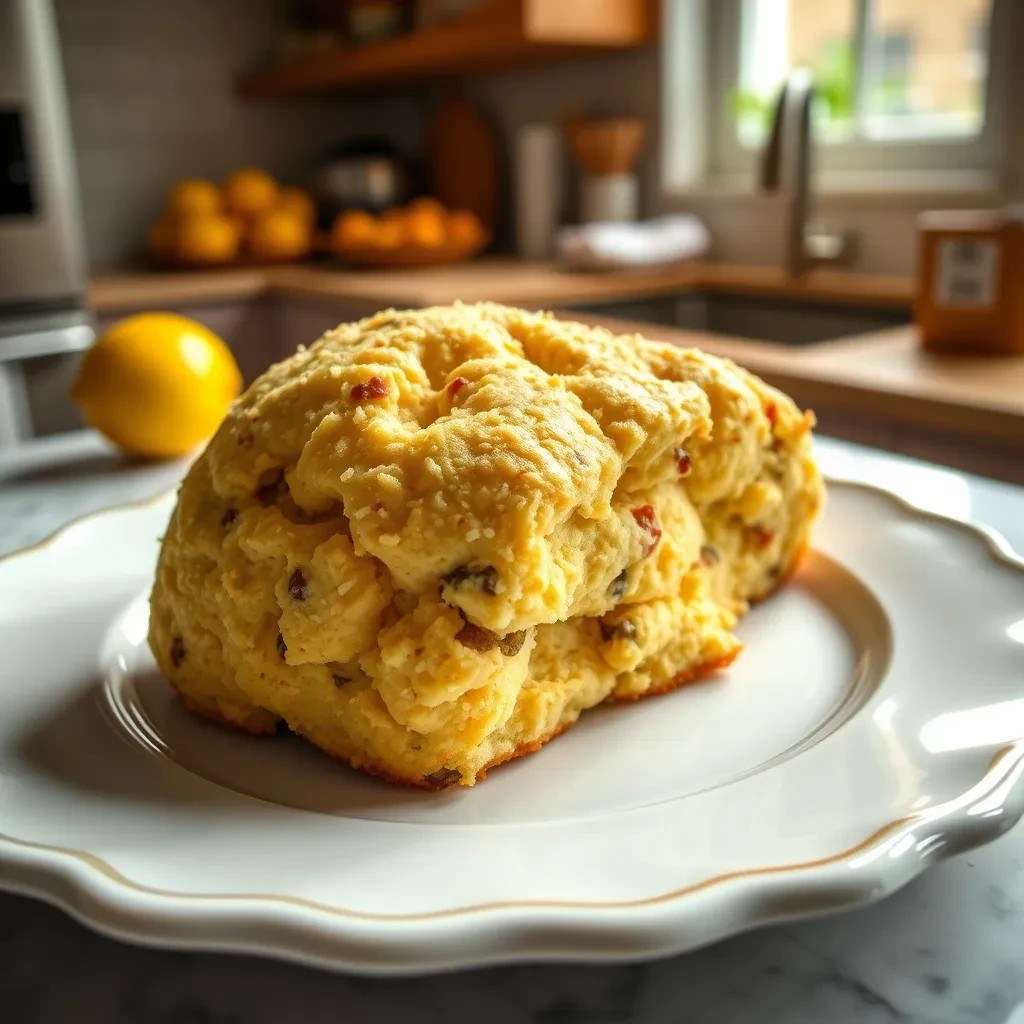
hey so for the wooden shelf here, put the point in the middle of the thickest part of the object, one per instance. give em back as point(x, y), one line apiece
point(497, 35)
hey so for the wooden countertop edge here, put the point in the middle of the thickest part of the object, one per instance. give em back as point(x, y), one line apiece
point(503, 280)
point(801, 371)
point(122, 292)
point(860, 374)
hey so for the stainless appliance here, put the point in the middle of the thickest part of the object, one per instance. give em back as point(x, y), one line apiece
point(365, 174)
point(42, 258)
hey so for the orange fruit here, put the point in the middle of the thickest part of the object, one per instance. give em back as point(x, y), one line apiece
point(194, 197)
point(352, 229)
point(388, 234)
point(157, 384)
point(280, 235)
point(162, 238)
point(250, 192)
point(206, 239)
point(425, 230)
point(298, 201)
point(240, 225)
point(427, 206)
point(425, 224)
point(464, 229)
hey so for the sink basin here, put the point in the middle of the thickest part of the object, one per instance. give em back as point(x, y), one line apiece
point(783, 321)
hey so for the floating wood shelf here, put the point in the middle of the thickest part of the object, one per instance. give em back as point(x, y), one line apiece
point(497, 35)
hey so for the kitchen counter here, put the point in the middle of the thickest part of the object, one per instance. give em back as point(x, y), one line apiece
point(946, 949)
point(511, 281)
point(879, 388)
point(881, 373)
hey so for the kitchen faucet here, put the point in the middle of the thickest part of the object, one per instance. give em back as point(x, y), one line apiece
point(786, 168)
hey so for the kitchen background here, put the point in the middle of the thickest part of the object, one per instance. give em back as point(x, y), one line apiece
point(917, 117)
point(152, 100)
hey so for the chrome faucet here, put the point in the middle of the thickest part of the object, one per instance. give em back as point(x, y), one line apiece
point(786, 169)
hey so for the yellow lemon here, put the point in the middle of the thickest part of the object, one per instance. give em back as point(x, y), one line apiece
point(206, 239)
point(280, 235)
point(156, 384)
point(250, 192)
point(297, 201)
point(194, 196)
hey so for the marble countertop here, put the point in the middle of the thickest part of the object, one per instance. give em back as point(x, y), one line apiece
point(948, 948)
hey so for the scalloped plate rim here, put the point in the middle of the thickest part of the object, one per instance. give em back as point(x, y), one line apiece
point(319, 935)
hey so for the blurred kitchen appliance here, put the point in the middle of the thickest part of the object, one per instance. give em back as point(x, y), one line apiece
point(43, 273)
point(364, 174)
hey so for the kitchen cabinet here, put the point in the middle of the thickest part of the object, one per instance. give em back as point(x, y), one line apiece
point(984, 457)
point(248, 327)
point(874, 388)
point(300, 321)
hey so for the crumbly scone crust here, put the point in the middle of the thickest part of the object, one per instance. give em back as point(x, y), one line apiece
point(432, 539)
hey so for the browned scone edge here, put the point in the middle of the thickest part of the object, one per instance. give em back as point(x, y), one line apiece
point(375, 768)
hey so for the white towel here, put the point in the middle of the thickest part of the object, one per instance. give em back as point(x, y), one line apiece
point(644, 244)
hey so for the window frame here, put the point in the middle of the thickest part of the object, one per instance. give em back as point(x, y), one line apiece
point(860, 165)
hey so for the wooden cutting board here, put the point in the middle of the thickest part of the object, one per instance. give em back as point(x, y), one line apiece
point(464, 160)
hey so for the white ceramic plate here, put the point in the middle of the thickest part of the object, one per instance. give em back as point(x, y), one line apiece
point(875, 723)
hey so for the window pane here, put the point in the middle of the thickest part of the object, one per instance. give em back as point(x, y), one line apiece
point(925, 67)
point(885, 69)
point(778, 35)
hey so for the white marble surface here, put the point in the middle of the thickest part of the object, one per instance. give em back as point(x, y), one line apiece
point(948, 948)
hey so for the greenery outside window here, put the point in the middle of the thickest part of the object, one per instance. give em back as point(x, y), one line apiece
point(905, 85)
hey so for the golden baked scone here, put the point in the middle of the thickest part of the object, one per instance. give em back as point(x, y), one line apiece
point(432, 539)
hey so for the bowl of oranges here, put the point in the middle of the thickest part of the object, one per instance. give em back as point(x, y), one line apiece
point(424, 233)
point(251, 219)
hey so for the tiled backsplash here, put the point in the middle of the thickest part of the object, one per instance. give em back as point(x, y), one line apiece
point(151, 90)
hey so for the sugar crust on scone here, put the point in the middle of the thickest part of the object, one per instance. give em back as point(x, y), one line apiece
point(431, 540)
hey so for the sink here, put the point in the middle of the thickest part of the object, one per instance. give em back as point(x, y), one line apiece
point(783, 321)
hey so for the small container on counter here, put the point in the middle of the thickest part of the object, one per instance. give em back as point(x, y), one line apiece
point(609, 198)
point(538, 184)
point(970, 281)
point(607, 152)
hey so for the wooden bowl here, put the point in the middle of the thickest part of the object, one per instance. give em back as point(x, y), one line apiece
point(240, 262)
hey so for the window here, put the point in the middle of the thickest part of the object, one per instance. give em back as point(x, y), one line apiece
point(893, 97)
point(902, 84)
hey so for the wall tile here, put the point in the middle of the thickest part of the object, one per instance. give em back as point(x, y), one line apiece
point(151, 98)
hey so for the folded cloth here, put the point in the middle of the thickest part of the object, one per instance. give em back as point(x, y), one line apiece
point(647, 243)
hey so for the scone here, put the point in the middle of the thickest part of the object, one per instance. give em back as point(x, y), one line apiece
point(432, 539)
